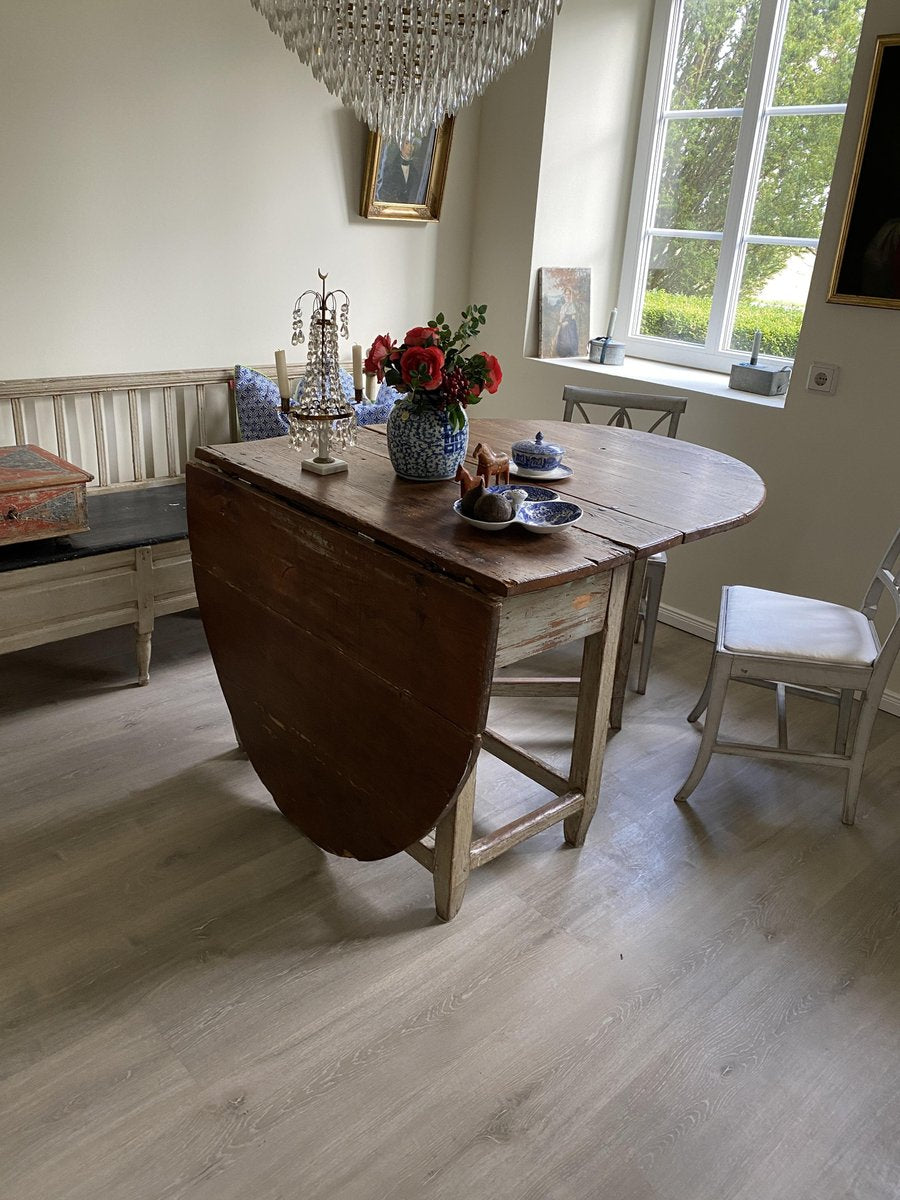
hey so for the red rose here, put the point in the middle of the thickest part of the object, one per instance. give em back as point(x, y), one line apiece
point(422, 335)
point(378, 352)
point(492, 373)
point(421, 366)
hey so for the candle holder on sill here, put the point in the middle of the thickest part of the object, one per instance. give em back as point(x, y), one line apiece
point(604, 350)
point(321, 419)
point(751, 377)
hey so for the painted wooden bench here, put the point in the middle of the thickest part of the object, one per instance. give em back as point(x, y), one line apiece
point(134, 433)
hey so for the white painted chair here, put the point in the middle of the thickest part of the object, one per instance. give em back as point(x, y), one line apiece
point(797, 644)
point(625, 406)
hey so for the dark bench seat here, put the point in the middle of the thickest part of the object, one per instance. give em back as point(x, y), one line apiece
point(118, 521)
point(132, 566)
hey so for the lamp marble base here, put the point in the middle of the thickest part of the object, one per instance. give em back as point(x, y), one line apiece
point(326, 466)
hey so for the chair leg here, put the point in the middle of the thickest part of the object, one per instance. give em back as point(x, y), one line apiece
point(143, 642)
point(655, 573)
point(781, 712)
point(716, 687)
point(845, 712)
point(863, 732)
point(700, 707)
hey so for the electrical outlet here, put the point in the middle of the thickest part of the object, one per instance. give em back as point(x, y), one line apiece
point(822, 378)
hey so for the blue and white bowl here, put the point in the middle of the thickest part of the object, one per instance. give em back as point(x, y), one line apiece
point(488, 526)
point(546, 516)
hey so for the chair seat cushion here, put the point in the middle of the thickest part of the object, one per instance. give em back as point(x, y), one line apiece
point(777, 625)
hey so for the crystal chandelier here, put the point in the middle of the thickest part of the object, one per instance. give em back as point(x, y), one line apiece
point(403, 65)
point(320, 418)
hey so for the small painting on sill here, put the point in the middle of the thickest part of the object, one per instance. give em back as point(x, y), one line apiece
point(565, 311)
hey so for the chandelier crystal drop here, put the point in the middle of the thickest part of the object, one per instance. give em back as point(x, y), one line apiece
point(403, 65)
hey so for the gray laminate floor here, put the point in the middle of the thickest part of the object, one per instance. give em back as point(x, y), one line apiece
point(702, 1004)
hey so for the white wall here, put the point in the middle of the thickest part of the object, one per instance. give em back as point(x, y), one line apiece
point(829, 462)
point(558, 135)
point(596, 79)
point(172, 178)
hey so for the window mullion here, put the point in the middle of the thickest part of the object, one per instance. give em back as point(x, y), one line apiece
point(747, 162)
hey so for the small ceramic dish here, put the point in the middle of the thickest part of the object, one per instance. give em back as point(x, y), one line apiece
point(490, 526)
point(546, 516)
point(560, 472)
point(532, 492)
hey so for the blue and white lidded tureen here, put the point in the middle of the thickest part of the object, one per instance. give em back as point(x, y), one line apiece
point(536, 455)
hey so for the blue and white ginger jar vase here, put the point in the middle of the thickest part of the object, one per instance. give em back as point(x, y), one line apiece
point(422, 443)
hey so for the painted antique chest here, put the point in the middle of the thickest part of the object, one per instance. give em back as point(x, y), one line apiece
point(41, 496)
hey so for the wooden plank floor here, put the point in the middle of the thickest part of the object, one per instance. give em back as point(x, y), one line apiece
point(702, 1004)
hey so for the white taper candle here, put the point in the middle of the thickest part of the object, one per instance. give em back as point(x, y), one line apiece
point(284, 386)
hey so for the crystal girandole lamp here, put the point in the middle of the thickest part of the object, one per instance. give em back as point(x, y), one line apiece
point(403, 65)
point(320, 418)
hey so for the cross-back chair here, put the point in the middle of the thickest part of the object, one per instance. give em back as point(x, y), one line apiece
point(812, 647)
point(631, 411)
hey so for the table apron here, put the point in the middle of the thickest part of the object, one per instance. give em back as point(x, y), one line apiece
point(531, 622)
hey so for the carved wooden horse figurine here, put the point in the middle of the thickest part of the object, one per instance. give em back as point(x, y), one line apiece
point(491, 464)
point(465, 480)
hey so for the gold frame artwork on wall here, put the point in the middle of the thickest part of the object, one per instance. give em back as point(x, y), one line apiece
point(406, 188)
point(867, 265)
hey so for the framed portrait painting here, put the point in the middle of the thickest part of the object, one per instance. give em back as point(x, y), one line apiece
point(867, 269)
point(565, 311)
point(404, 181)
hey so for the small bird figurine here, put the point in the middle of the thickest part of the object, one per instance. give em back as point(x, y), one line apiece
point(516, 497)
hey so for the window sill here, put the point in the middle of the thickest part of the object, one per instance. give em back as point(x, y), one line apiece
point(674, 379)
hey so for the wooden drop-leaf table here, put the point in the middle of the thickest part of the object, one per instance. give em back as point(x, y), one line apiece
point(356, 622)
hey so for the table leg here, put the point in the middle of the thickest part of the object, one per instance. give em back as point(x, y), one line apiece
point(452, 844)
point(626, 641)
point(592, 717)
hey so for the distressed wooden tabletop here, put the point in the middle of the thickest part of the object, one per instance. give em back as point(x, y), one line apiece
point(640, 493)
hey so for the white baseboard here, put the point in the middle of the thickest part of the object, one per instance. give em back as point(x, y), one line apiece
point(890, 701)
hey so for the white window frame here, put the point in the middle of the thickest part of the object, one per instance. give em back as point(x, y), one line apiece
point(735, 237)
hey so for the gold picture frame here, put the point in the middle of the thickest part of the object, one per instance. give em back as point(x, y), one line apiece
point(867, 264)
point(410, 188)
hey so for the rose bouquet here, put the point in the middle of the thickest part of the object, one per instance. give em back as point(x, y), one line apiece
point(432, 368)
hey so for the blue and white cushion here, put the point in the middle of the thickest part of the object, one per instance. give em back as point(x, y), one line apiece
point(379, 410)
point(258, 406)
point(259, 412)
